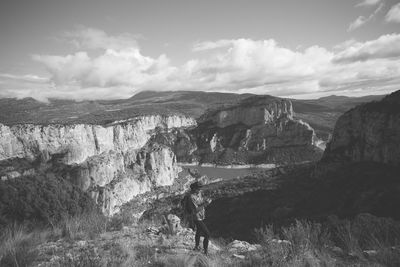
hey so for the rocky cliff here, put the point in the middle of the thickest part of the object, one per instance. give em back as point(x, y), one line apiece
point(113, 162)
point(256, 130)
point(120, 160)
point(369, 132)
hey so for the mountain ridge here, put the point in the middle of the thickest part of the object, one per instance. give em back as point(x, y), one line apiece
point(321, 114)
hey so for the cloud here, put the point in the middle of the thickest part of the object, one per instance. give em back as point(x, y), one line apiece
point(202, 46)
point(114, 67)
point(386, 46)
point(394, 14)
point(266, 67)
point(368, 3)
point(361, 20)
point(89, 38)
point(27, 77)
point(235, 65)
point(246, 63)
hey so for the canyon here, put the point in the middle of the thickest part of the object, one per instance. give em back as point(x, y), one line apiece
point(358, 173)
point(113, 163)
point(119, 160)
point(262, 165)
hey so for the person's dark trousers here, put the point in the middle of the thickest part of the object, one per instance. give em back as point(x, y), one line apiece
point(202, 230)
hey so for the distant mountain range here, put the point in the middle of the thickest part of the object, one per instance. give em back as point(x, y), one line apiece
point(320, 113)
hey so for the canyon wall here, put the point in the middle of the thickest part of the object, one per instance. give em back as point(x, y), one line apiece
point(118, 161)
point(369, 132)
point(113, 163)
point(77, 142)
point(256, 130)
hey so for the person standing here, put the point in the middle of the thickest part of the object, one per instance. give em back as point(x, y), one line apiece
point(196, 206)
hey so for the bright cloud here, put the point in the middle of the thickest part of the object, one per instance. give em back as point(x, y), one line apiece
point(394, 14)
point(249, 64)
point(124, 67)
point(201, 46)
point(236, 65)
point(265, 67)
point(386, 46)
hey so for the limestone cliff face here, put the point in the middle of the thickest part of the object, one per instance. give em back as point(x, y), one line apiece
point(114, 163)
point(114, 179)
point(252, 112)
point(78, 142)
point(256, 130)
point(370, 132)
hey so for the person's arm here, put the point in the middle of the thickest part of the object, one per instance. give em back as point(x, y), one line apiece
point(196, 208)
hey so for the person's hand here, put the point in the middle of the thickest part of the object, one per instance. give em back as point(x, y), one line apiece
point(208, 201)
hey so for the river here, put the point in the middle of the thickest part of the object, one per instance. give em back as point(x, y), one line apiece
point(227, 172)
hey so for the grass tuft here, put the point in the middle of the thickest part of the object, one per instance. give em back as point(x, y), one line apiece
point(84, 226)
point(17, 245)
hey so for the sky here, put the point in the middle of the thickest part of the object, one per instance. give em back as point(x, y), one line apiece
point(101, 49)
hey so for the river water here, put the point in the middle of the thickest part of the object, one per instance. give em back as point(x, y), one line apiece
point(226, 173)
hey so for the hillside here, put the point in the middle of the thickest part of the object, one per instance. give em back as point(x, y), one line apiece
point(369, 132)
point(298, 215)
point(322, 113)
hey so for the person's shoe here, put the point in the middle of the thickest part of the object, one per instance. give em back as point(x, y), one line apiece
point(206, 252)
point(196, 249)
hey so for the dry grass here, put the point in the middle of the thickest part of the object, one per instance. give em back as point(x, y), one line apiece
point(311, 244)
point(84, 226)
point(307, 244)
point(381, 236)
point(17, 245)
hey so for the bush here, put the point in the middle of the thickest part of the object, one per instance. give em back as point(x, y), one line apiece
point(41, 199)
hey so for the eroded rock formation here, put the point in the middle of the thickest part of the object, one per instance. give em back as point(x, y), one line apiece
point(121, 160)
point(114, 163)
point(370, 132)
point(256, 130)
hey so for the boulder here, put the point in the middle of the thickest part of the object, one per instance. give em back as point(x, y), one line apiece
point(238, 246)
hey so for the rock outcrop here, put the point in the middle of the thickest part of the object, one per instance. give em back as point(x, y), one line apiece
point(120, 160)
point(113, 163)
point(113, 179)
point(75, 143)
point(256, 130)
point(370, 132)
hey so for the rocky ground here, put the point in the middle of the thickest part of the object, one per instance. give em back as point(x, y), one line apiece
point(138, 245)
point(167, 245)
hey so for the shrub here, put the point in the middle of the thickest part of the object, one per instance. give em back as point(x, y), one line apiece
point(41, 199)
point(116, 222)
